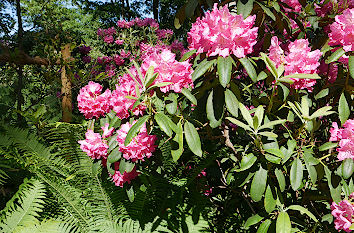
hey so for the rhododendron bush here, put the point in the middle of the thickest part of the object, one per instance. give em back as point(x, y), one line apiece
point(253, 116)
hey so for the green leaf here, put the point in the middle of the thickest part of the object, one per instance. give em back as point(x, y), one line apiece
point(303, 76)
point(270, 124)
point(327, 146)
point(267, 11)
point(130, 194)
point(324, 111)
point(210, 112)
point(335, 56)
point(244, 9)
point(246, 114)
point(192, 138)
point(283, 223)
point(114, 156)
point(231, 102)
point(275, 151)
point(247, 162)
point(259, 184)
point(351, 65)
point(190, 7)
point(176, 154)
point(163, 121)
point(239, 123)
point(133, 131)
point(281, 179)
point(252, 221)
point(268, 134)
point(149, 77)
point(296, 174)
point(303, 210)
point(259, 113)
point(273, 159)
point(322, 94)
point(126, 166)
point(261, 76)
point(347, 168)
point(202, 68)
point(162, 84)
point(171, 107)
point(343, 109)
point(269, 201)
point(224, 70)
point(270, 64)
point(189, 96)
point(188, 55)
point(263, 228)
point(249, 68)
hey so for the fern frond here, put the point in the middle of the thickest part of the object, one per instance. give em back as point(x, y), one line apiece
point(47, 226)
point(30, 200)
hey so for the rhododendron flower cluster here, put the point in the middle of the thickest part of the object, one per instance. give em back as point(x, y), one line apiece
point(91, 102)
point(141, 145)
point(119, 101)
point(342, 30)
point(119, 179)
point(93, 145)
point(139, 22)
point(299, 59)
point(169, 70)
point(294, 4)
point(222, 33)
point(343, 214)
point(345, 136)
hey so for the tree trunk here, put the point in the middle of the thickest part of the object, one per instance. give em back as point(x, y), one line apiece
point(66, 87)
point(19, 70)
point(155, 9)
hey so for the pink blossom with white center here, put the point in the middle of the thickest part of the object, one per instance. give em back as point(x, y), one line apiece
point(343, 215)
point(222, 33)
point(299, 59)
point(142, 146)
point(294, 4)
point(91, 102)
point(342, 30)
point(345, 136)
point(93, 145)
point(120, 179)
point(107, 132)
point(169, 70)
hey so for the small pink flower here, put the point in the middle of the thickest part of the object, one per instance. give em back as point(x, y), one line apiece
point(336, 133)
point(294, 4)
point(107, 132)
point(142, 146)
point(91, 102)
point(93, 145)
point(120, 179)
point(342, 30)
point(108, 39)
point(343, 214)
point(119, 42)
point(118, 60)
point(222, 33)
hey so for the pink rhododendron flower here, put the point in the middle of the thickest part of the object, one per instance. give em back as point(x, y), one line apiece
point(164, 33)
point(345, 136)
point(299, 59)
point(120, 179)
point(119, 101)
point(343, 214)
point(108, 39)
point(118, 60)
point(142, 146)
point(221, 33)
point(93, 145)
point(169, 70)
point(294, 4)
point(119, 42)
point(91, 102)
point(342, 30)
point(107, 132)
